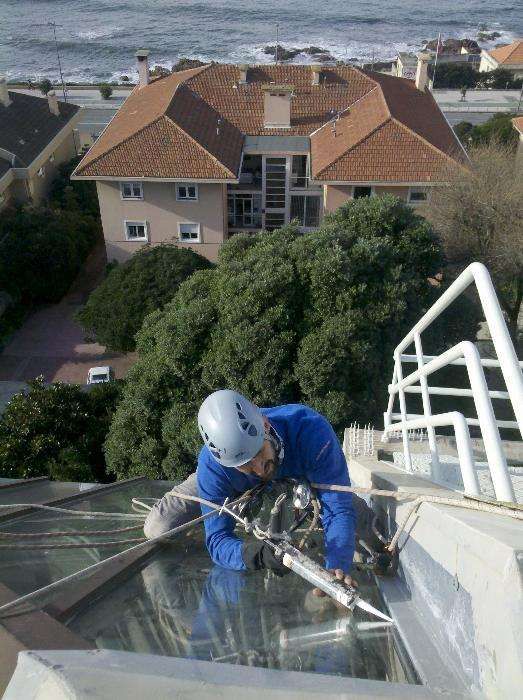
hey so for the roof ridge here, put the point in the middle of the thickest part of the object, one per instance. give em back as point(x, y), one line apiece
point(199, 145)
point(346, 109)
point(76, 171)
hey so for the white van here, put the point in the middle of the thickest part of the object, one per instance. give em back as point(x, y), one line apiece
point(99, 375)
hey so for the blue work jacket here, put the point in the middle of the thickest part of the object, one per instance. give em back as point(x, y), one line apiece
point(311, 452)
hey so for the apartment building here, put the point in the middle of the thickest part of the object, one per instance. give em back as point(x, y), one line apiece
point(199, 155)
point(36, 136)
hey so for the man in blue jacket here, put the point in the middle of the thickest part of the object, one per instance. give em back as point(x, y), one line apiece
point(246, 445)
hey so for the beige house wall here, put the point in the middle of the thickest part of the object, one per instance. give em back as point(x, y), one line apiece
point(62, 153)
point(162, 212)
point(336, 195)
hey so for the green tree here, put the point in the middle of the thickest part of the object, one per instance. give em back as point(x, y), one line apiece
point(116, 309)
point(45, 86)
point(57, 430)
point(106, 91)
point(479, 217)
point(283, 317)
point(454, 75)
point(70, 194)
point(498, 79)
point(42, 251)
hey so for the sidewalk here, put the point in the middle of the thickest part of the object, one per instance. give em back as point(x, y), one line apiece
point(51, 343)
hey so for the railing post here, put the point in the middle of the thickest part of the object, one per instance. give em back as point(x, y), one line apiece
point(487, 421)
point(427, 410)
point(403, 411)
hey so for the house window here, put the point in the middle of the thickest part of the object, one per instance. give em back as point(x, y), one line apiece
point(306, 210)
point(299, 171)
point(131, 190)
point(136, 231)
point(363, 191)
point(418, 195)
point(186, 193)
point(244, 210)
point(189, 232)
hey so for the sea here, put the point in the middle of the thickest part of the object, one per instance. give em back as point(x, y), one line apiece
point(96, 39)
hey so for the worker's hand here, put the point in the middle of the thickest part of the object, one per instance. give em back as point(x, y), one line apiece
point(343, 578)
point(257, 555)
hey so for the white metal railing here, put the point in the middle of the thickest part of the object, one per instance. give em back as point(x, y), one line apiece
point(464, 353)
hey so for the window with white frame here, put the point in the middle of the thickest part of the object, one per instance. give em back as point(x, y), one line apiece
point(189, 232)
point(187, 193)
point(418, 195)
point(131, 190)
point(136, 231)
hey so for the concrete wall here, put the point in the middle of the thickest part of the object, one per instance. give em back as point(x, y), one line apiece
point(162, 213)
point(460, 580)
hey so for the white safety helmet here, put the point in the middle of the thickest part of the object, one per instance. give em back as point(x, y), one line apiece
point(232, 427)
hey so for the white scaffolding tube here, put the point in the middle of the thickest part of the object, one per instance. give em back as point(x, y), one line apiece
point(464, 353)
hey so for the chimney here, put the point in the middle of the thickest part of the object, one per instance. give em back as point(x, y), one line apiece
point(4, 94)
point(316, 73)
point(53, 103)
point(422, 75)
point(243, 72)
point(277, 106)
point(143, 67)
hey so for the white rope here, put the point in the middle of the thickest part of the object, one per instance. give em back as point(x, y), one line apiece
point(89, 569)
point(459, 502)
point(84, 513)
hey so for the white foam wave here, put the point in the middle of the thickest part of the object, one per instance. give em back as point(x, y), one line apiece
point(106, 33)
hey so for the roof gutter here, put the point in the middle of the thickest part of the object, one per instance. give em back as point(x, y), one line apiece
point(140, 178)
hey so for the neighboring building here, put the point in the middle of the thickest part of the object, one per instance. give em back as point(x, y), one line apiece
point(509, 57)
point(406, 63)
point(518, 126)
point(198, 155)
point(36, 136)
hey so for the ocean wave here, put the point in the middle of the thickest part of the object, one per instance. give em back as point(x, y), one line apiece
point(100, 33)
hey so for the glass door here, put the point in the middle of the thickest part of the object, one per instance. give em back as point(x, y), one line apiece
point(275, 192)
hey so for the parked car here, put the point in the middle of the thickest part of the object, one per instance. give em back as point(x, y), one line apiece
point(99, 375)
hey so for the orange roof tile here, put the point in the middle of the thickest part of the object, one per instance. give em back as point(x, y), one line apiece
point(200, 116)
point(518, 124)
point(512, 54)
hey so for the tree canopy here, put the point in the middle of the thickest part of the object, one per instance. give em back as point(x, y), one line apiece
point(497, 128)
point(58, 431)
point(42, 251)
point(479, 217)
point(284, 317)
point(116, 309)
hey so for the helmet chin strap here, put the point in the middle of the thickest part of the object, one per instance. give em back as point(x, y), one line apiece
point(277, 443)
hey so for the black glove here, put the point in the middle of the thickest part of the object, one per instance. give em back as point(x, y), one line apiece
point(257, 555)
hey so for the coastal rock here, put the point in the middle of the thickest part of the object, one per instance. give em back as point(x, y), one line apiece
point(185, 63)
point(321, 55)
point(488, 36)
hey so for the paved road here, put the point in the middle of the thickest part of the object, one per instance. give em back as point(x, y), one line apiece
point(472, 117)
point(51, 343)
point(86, 98)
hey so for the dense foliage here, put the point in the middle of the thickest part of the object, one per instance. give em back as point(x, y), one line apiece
point(42, 251)
point(458, 75)
point(73, 195)
point(105, 91)
point(497, 128)
point(283, 317)
point(479, 217)
point(57, 431)
point(116, 308)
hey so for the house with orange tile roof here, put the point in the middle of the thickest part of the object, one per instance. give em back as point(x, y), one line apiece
point(509, 57)
point(199, 155)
